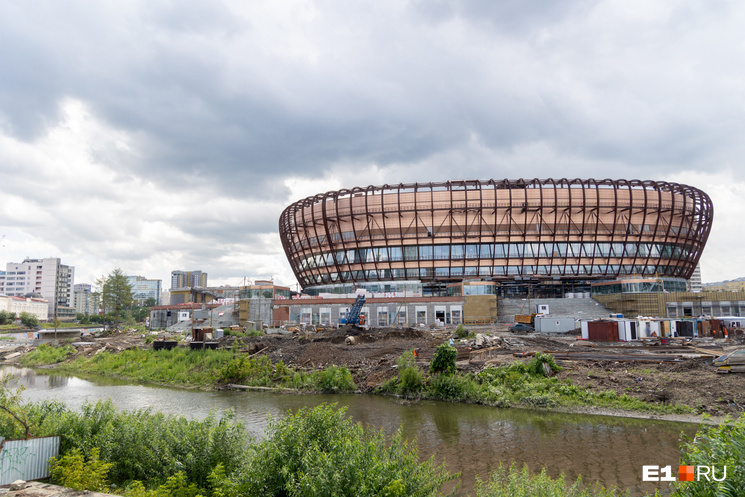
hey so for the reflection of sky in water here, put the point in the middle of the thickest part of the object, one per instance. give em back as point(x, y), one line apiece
point(472, 439)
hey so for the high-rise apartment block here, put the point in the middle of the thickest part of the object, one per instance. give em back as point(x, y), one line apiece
point(143, 289)
point(47, 277)
point(186, 279)
point(86, 302)
point(694, 282)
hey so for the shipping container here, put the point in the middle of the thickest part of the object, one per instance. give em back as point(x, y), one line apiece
point(602, 331)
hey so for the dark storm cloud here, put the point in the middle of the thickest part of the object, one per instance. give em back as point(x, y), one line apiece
point(211, 101)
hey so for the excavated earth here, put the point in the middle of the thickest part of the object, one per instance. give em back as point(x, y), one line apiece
point(665, 374)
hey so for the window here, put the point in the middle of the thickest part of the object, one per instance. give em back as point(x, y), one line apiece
point(457, 251)
point(425, 252)
point(410, 253)
point(442, 252)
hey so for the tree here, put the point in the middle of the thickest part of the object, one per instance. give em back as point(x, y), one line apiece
point(29, 320)
point(150, 301)
point(7, 317)
point(116, 293)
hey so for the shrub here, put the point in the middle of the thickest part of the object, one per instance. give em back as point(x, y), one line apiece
point(444, 359)
point(320, 451)
point(7, 317)
point(72, 470)
point(535, 366)
point(143, 445)
point(29, 320)
point(461, 331)
point(175, 486)
point(452, 387)
point(718, 446)
point(514, 482)
point(410, 377)
point(334, 379)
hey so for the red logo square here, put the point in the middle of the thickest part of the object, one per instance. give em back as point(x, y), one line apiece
point(685, 473)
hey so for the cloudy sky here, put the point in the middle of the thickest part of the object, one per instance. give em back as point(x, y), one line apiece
point(156, 135)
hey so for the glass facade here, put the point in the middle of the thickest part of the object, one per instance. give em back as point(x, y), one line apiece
point(497, 229)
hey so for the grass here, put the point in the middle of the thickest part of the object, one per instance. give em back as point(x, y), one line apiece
point(178, 366)
point(204, 368)
point(46, 354)
point(519, 385)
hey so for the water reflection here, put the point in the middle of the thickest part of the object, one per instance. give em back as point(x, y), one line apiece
point(472, 440)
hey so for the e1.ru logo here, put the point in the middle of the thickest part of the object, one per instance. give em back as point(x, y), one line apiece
point(685, 473)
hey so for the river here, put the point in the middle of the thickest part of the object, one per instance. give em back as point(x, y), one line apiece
point(470, 439)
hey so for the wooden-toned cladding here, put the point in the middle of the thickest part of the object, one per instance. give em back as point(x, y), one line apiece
point(509, 211)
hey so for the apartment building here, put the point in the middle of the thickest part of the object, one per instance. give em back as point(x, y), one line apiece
point(47, 277)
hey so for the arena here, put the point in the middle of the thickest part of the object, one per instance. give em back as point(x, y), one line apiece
point(546, 233)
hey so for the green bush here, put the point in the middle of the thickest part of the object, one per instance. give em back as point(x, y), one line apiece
point(410, 377)
point(717, 446)
point(444, 359)
point(515, 482)
point(7, 317)
point(535, 366)
point(72, 470)
point(452, 387)
point(29, 320)
point(320, 451)
point(461, 331)
point(175, 486)
point(144, 445)
point(334, 380)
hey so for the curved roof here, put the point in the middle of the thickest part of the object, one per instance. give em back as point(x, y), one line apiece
point(497, 229)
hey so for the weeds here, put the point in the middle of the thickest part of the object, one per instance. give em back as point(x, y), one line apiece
point(514, 482)
point(518, 385)
point(46, 354)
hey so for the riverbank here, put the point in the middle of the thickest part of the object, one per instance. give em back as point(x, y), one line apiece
point(348, 360)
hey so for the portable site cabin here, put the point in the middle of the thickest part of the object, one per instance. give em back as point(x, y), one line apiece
point(649, 327)
point(545, 324)
point(627, 330)
point(616, 330)
point(686, 328)
point(732, 321)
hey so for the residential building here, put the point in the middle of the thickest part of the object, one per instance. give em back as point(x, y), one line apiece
point(86, 301)
point(188, 279)
point(143, 289)
point(694, 282)
point(47, 277)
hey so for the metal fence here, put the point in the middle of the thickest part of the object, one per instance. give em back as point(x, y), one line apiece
point(26, 459)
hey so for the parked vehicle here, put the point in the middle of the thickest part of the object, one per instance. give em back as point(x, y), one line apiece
point(521, 328)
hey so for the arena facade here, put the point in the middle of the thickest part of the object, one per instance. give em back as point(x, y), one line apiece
point(546, 234)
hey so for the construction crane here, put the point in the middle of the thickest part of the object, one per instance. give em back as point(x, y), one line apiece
point(354, 315)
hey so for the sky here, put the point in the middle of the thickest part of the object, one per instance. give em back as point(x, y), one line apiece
point(156, 135)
